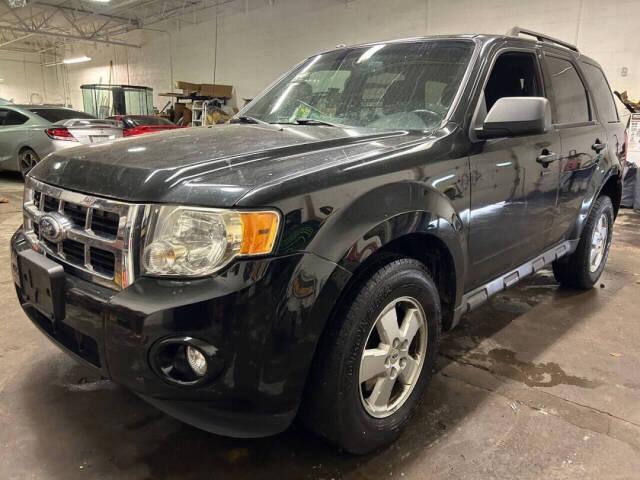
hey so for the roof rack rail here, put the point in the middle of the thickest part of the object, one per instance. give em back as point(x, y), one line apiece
point(517, 31)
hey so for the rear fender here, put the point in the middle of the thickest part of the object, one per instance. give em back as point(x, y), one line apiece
point(596, 185)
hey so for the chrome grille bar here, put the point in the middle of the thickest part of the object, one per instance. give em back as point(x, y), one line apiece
point(121, 246)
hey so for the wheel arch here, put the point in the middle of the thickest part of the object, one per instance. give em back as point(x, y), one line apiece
point(611, 185)
point(431, 238)
point(430, 250)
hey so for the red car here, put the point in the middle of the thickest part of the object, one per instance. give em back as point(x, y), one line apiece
point(139, 124)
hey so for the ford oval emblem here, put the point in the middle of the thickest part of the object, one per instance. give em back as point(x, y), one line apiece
point(50, 228)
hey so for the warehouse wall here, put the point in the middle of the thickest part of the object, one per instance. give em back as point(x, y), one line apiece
point(259, 39)
point(25, 80)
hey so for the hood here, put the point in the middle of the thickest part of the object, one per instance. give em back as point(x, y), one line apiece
point(209, 166)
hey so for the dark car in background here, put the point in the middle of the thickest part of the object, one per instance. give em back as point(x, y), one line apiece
point(28, 133)
point(303, 260)
point(141, 124)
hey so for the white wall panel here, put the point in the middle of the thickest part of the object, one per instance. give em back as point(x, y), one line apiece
point(22, 77)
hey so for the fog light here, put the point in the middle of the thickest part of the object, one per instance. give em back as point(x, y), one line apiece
point(197, 362)
point(186, 361)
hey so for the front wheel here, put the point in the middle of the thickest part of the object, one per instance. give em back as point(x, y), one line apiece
point(27, 159)
point(375, 359)
point(583, 268)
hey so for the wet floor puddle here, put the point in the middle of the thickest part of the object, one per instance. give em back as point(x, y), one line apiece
point(504, 362)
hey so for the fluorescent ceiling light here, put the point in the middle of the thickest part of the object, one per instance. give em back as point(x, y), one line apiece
point(84, 58)
point(67, 61)
point(100, 1)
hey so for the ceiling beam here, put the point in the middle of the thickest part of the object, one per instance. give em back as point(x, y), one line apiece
point(16, 16)
point(65, 35)
point(86, 12)
point(17, 39)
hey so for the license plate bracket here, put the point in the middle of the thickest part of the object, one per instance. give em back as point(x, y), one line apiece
point(42, 282)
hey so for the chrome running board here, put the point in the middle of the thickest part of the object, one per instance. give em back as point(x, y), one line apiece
point(476, 297)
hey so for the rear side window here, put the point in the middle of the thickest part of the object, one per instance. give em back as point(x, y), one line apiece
point(54, 115)
point(9, 117)
point(569, 95)
point(602, 93)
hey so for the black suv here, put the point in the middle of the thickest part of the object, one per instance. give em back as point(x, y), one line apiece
point(304, 259)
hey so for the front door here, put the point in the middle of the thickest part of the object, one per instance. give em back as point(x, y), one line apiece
point(514, 180)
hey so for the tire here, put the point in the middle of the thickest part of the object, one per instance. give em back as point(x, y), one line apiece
point(27, 159)
point(582, 269)
point(336, 405)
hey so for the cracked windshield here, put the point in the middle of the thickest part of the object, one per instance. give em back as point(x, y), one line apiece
point(384, 86)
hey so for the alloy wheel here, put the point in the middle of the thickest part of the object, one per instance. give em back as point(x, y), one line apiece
point(28, 160)
point(393, 357)
point(599, 243)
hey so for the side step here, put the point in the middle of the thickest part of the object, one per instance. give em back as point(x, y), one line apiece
point(476, 297)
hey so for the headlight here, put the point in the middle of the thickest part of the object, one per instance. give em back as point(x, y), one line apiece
point(192, 241)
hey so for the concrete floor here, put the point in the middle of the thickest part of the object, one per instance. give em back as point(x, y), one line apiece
point(541, 382)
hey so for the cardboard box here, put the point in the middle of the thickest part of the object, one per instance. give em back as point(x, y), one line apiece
point(217, 91)
point(206, 89)
point(187, 87)
point(181, 110)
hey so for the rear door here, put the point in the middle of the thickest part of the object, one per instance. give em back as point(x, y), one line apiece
point(584, 139)
point(606, 108)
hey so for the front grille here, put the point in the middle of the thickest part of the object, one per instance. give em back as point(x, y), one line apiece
point(73, 252)
point(37, 199)
point(77, 214)
point(50, 204)
point(102, 260)
point(105, 223)
point(98, 234)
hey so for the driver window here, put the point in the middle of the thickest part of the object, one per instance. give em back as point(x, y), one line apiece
point(514, 74)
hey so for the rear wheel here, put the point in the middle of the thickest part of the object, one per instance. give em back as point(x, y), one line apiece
point(375, 359)
point(27, 159)
point(583, 268)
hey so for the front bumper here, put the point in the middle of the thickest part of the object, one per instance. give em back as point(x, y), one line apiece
point(264, 316)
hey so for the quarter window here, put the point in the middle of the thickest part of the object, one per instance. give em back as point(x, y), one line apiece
point(601, 92)
point(9, 118)
point(569, 95)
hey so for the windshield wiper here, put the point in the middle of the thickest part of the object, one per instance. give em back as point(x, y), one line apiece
point(253, 121)
point(315, 121)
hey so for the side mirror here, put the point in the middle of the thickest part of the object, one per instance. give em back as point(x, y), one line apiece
point(516, 116)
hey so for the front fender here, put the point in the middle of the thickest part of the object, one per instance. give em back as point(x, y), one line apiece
point(387, 213)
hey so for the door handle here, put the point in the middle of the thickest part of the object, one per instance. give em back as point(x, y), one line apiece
point(546, 157)
point(598, 146)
